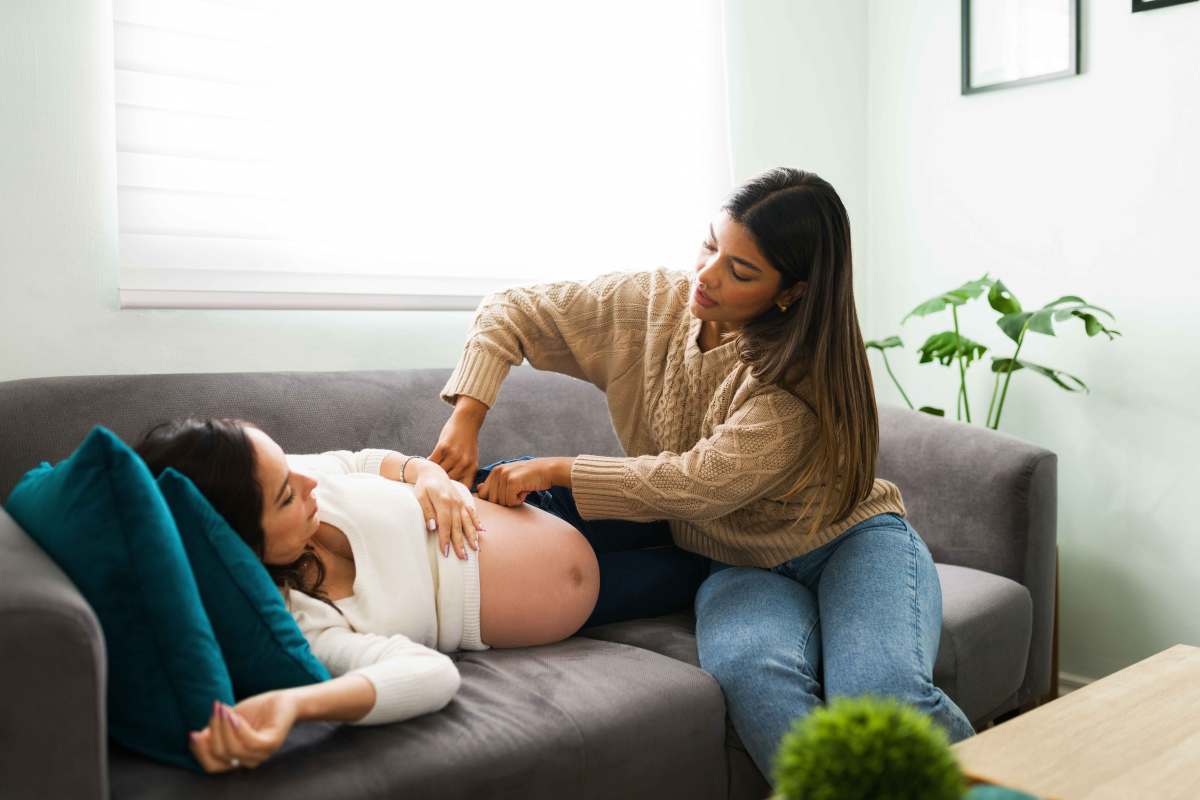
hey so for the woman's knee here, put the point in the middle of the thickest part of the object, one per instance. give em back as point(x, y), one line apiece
point(729, 603)
point(748, 619)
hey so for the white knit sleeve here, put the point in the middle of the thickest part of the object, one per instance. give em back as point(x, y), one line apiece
point(340, 462)
point(409, 678)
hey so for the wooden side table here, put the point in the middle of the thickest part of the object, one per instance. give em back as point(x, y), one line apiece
point(1132, 734)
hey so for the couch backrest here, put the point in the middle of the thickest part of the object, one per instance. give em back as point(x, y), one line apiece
point(979, 498)
point(44, 419)
point(974, 495)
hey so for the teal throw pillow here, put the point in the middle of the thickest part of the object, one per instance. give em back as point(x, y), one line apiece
point(100, 516)
point(262, 644)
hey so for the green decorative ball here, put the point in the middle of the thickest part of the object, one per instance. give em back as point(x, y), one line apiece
point(870, 748)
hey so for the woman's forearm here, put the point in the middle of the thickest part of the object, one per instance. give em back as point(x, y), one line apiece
point(560, 471)
point(405, 468)
point(468, 409)
point(346, 699)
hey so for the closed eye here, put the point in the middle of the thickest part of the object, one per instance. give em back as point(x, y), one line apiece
point(711, 247)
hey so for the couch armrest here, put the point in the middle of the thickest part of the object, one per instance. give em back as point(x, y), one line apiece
point(54, 678)
point(981, 499)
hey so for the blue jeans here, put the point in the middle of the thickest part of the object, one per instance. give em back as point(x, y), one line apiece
point(642, 572)
point(861, 614)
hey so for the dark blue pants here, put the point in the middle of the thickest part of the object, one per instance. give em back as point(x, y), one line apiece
point(642, 572)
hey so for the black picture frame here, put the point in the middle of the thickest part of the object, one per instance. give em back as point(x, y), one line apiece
point(1150, 5)
point(1073, 44)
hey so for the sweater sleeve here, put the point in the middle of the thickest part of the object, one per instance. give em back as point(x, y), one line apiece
point(588, 330)
point(755, 452)
point(409, 678)
point(340, 462)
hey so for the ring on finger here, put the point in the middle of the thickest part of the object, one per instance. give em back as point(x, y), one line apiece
point(235, 763)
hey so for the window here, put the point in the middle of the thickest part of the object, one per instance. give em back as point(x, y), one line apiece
point(372, 154)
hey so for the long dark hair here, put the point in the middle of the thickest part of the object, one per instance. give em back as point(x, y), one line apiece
point(800, 225)
point(218, 457)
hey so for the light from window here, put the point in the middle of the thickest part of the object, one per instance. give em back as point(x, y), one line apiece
point(370, 154)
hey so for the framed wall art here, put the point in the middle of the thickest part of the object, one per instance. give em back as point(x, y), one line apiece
point(1150, 5)
point(1007, 43)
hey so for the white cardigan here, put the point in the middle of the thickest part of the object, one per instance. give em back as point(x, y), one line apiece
point(409, 601)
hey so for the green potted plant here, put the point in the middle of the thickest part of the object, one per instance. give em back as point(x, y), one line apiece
point(952, 348)
point(872, 748)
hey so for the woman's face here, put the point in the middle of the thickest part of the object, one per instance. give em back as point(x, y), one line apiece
point(289, 517)
point(734, 282)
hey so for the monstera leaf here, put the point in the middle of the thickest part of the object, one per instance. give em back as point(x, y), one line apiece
point(885, 344)
point(1005, 365)
point(1042, 320)
point(946, 346)
point(955, 297)
point(1003, 300)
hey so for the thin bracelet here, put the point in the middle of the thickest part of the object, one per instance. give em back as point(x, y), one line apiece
point(404, 467)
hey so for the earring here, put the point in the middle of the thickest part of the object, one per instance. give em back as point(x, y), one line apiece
point(784, 306)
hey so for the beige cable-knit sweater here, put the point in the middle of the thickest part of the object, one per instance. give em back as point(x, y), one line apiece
point(711, 449)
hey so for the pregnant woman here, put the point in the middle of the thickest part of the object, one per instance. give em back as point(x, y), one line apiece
point(742, 395)
point(359, 544)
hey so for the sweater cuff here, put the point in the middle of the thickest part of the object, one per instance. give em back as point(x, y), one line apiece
point(478, 375)
point(402, 694)
point(373, 459)
point(595, 485)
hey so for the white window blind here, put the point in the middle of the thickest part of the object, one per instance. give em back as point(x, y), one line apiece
point(372, 154)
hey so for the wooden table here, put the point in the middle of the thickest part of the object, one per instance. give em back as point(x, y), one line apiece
point(1134, 734)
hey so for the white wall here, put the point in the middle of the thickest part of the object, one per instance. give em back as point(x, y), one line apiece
point(798, 97)
point(1088, 186)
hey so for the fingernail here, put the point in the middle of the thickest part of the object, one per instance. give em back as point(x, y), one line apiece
point(432, 524)
point(233, 719)
point(446, 551)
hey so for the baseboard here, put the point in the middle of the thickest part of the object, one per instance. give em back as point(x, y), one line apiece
point(1069, 682)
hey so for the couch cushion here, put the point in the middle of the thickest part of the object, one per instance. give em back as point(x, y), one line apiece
point(987, 622)
point(986, 626)
point(260, 640)
point(578, 719)
point(100, 516)
point(674, 635)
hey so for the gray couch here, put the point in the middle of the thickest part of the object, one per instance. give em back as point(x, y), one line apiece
point(620, 710)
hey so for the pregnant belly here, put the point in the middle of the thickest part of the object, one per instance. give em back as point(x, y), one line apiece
point(538, 577)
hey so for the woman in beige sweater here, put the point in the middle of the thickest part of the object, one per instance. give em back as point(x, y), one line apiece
point(742, 395)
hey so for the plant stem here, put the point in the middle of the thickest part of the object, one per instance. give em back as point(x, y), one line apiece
point(1008, 376)
point(888, 367)
point(962, 370)
point(991, 405)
